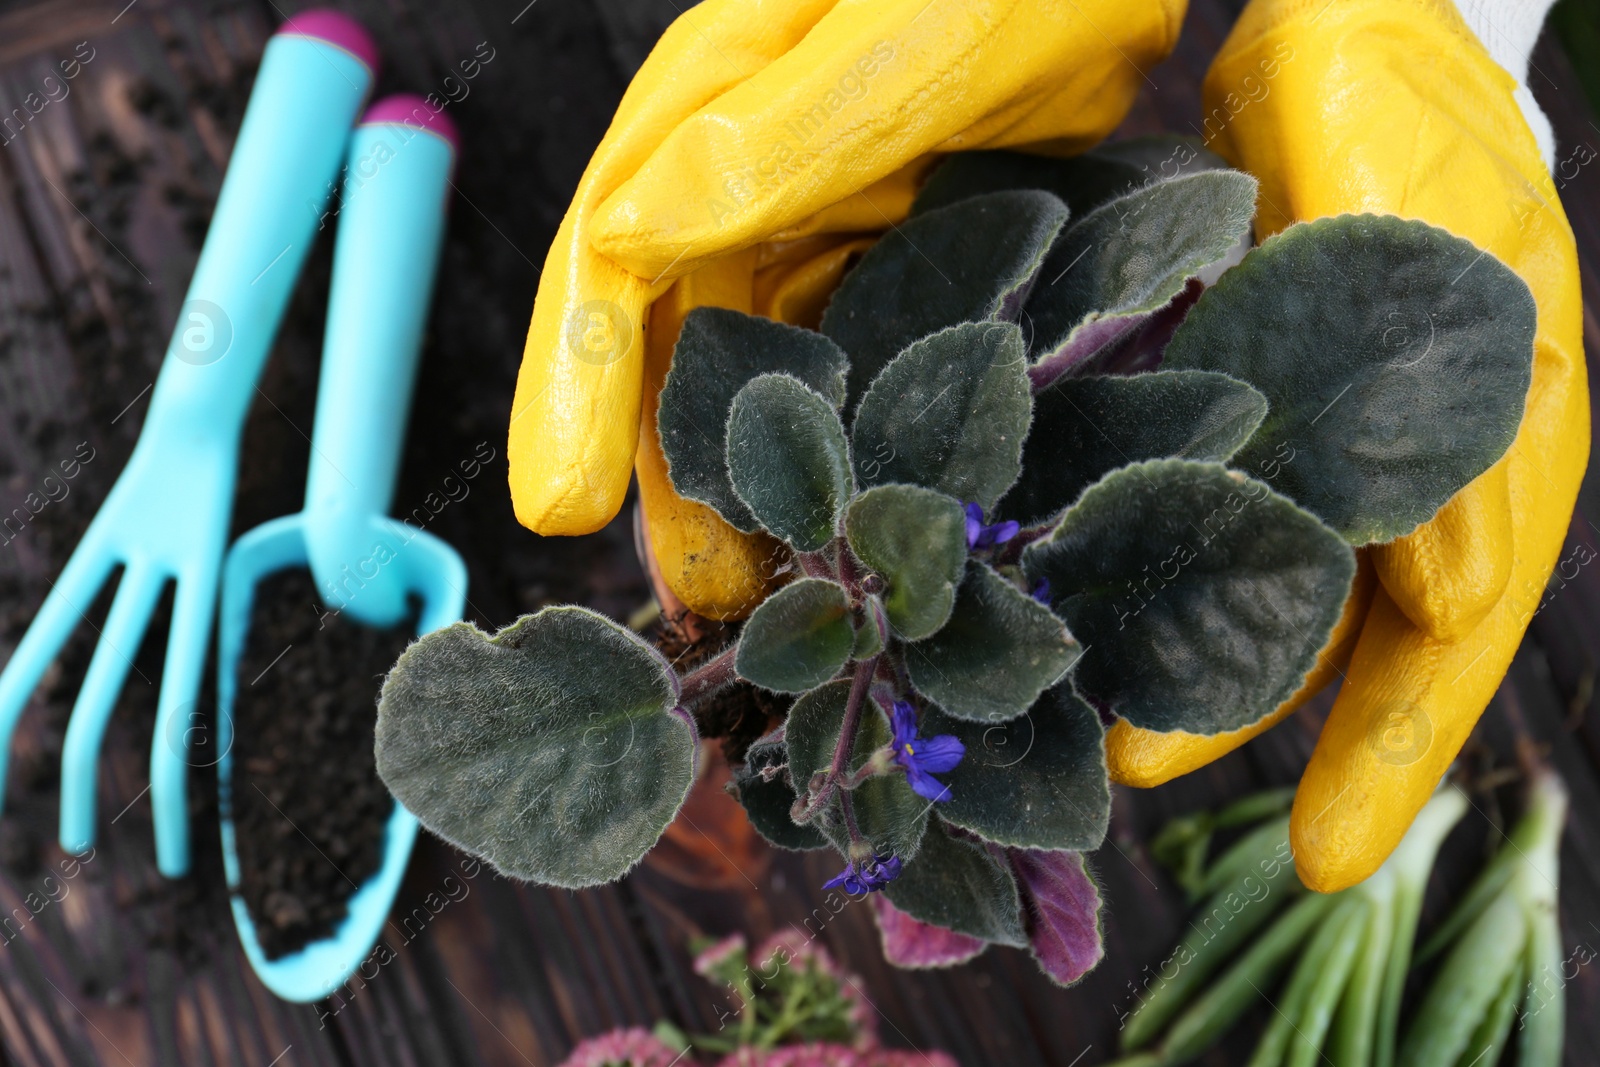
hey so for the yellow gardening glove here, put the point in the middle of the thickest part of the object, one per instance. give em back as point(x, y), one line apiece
point(768, 122)
point(1394, 106)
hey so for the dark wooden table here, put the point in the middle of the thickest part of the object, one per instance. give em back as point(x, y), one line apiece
point(104, 198)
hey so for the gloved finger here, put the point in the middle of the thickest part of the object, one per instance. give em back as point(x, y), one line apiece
point(884, 203)
point(1411, 700)
point(797, 293)
point(575, 413)
point(1146, 758)
point(575, 416)
point(1442, 141)
point(875, 85)
point(1445, 142)
point(1436, 576)
point(716, 570)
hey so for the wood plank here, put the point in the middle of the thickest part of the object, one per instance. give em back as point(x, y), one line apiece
point(103, 200)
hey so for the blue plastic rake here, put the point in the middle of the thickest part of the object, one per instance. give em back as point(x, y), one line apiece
point(167, 516)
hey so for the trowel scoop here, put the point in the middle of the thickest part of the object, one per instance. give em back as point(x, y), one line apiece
point(366, 566)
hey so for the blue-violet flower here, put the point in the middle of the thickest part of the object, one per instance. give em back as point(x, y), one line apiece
point(981, 536)
point(922, 757)
point(867, 876)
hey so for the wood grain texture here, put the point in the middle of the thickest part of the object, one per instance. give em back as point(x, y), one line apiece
point(104, 197)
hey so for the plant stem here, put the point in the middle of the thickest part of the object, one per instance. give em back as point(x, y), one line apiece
point(852, 717)
point(847, 805)
point(863, 774)
point(839, 766)
point(849, 570)
point(748, 1010)
point(793, 1012)
point(709, 677)
point(1411, 863)
point(814, 564)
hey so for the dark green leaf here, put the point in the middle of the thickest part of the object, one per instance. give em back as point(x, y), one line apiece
point(718, 351)
point(1395, 357)
point(1084, 428)
point(550, 749)
point(999, 651)
point(889, 814)
point(798, 638)
point(917, 540)
point(768, 798)
point(789, 460)
point(1034, 782)
point(970, 261)
point(1084, 182)
point(950, 413)
point(960, 886)
point(1201, 596)
point(1127, 259)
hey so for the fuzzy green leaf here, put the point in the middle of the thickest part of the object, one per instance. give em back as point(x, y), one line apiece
point(1201, 596)
point(788, 459)
point(999, 651)
point(917, 540)
point(1034, 782)
point(718, 352)
point(1127, 259)
point(1395, 358)
point(767, 800)
point(960, 886)
point(970, 261)
point(1084, 428)
point(551, 749)
point(797, 638)
point(1083, 182)
point(889, 814)
point(950, 413)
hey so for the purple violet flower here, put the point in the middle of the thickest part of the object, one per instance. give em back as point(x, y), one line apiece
point(868, 876)
point(922, 757)
point(981, 536)
point(1041, 591)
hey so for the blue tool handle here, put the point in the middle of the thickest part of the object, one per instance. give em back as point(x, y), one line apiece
point(391, 226)
point(315, 74)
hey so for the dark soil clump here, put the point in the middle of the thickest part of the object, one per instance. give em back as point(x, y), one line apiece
point(740, 713)
point(309, 807)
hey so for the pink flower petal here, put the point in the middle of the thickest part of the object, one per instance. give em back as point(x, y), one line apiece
point(908, 942)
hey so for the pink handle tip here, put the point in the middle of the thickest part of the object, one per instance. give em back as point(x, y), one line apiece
point(408, 109)
point(337, 29)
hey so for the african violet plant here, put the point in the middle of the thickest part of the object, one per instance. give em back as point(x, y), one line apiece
point(1031, 475)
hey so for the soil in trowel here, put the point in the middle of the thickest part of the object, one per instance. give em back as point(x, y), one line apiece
point(309, 808)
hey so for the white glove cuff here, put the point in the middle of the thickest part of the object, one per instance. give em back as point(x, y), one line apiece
point(1508, 30)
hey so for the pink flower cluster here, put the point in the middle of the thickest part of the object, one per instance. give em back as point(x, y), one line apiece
point(823, 1055)
point(787, 948)
point(640, 1048)
point(792, 947)
point(633, 1047)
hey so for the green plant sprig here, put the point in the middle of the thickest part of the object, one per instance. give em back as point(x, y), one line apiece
point(1347, 955)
